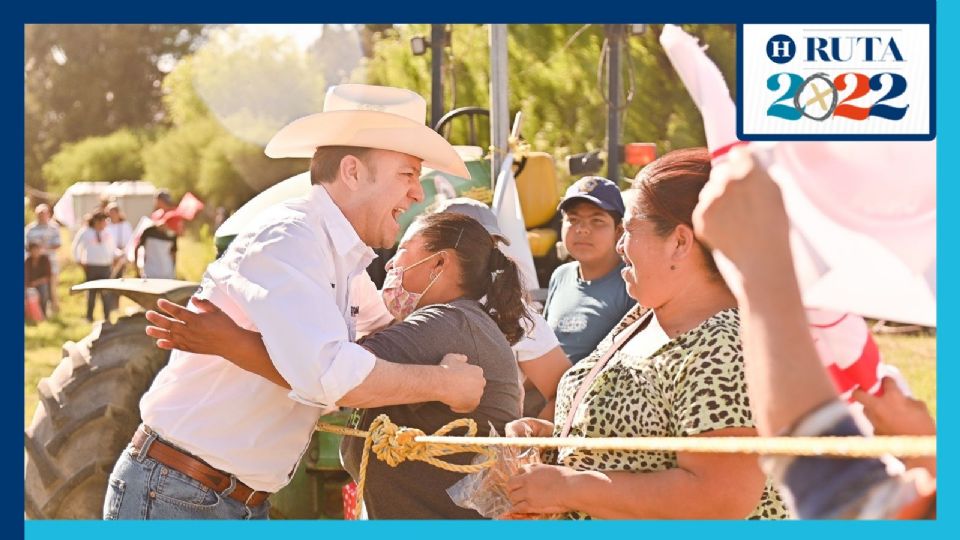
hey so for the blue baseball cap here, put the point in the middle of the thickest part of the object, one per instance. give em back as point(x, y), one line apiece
point(597, 190)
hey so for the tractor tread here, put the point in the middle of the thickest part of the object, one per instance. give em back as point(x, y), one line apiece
point(89, 409)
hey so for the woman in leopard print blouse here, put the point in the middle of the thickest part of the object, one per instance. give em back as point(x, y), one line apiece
point(672, 367)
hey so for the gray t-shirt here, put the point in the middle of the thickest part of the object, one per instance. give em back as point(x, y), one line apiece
point(582, 312)
point(415, 490)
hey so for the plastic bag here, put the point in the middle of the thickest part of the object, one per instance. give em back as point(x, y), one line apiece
point(486, 491)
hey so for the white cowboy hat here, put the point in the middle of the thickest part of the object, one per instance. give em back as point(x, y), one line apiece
point(373, 117)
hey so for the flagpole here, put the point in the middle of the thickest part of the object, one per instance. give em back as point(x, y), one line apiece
point(613, 33)
point(499, 109)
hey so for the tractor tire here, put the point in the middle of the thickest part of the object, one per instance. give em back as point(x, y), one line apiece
point(88, 412)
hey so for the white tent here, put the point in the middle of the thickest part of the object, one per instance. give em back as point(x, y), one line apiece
point(135, 197)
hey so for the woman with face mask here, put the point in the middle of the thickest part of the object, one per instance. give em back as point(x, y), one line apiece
point(444, 266)
point(451, 290)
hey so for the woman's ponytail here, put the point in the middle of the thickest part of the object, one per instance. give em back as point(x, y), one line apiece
point(504, 296)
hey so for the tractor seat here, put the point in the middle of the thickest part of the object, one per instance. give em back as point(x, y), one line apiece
point(541, 241)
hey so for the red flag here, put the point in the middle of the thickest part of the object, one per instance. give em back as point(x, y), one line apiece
point(189, 206)
point(174, 219)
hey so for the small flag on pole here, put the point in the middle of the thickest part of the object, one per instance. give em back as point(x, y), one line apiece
point(506, 205)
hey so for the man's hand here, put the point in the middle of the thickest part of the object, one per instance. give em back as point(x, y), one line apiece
point(209, 332)
point(894, 413)
point(529, 427)
point(741, 213)
point(464, 383)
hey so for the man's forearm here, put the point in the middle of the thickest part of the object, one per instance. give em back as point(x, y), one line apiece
point(397, 384)
point(387, 384)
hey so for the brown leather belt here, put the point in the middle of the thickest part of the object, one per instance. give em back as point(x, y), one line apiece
point(182, 462)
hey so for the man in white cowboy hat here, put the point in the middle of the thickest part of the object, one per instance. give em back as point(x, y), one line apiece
point(216, 439)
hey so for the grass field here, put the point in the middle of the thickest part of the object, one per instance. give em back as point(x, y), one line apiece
point(42, 342)
point(914, 355)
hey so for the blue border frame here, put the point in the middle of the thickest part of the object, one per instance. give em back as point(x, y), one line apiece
point(929, 136)
point(691, 11)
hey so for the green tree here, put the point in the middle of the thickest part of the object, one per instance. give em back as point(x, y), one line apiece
point(225, 101)
point(93, 79)
point(553, 79)
point(107, 158)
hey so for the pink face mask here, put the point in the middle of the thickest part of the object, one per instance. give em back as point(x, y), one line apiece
point(399, 301)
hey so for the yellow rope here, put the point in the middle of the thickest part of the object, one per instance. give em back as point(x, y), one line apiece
point(394, 445)
point(848, 447)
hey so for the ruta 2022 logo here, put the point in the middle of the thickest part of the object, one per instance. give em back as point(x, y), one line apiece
point(828, 81)
point(817, 96)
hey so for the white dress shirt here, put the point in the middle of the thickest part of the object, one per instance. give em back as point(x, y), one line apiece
point(288, 276)
point(373, 313)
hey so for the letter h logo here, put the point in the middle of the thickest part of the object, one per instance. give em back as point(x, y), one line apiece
point(781, 49)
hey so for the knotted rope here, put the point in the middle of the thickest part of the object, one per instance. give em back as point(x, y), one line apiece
point(394, 445)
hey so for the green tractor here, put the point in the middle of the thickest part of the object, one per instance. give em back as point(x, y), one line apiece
point(89, 405)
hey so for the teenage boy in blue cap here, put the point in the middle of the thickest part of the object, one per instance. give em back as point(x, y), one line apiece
point(587, 296)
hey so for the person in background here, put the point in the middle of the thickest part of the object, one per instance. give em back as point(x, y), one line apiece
point(46, 234)
point(122, 233)
point(157, 252)
point(95, 250)
point(587, 297)
point(36, 273)
point(118, 225)
point(163, 202)
point(219, 217)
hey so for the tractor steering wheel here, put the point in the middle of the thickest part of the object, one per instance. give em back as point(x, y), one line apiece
point(472, 113)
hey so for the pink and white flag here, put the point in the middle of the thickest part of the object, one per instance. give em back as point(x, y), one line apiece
point(863, 213)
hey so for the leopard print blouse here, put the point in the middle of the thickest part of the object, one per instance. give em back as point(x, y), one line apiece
point(693, 384)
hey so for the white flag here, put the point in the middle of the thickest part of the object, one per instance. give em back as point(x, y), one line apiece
point(506, 205)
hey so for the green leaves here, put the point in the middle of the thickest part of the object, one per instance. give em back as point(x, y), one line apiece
point(554, 81)
point(92, 80)
point(108, 158)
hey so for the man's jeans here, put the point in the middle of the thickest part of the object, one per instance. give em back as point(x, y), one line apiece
point(142, 488)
